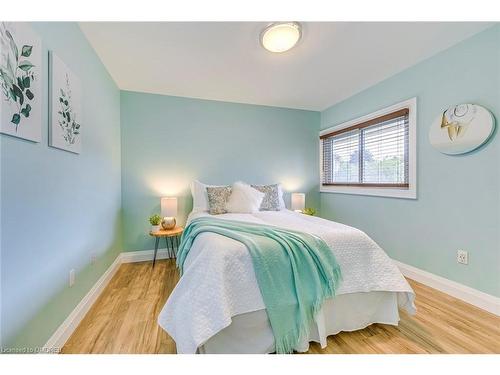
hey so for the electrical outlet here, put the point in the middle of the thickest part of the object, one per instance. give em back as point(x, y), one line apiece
point(71, 277)
point(462, 257)
point(93, 259)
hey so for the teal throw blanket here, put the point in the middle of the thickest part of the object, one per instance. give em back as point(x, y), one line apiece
point(295, 271)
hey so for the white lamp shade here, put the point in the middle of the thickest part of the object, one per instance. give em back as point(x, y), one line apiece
point(169, 207)
point(298, 201)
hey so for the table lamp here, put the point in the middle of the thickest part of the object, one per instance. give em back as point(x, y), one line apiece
point(168, 212)
point(298, 201)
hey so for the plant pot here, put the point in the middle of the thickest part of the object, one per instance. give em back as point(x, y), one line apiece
point(155, 228)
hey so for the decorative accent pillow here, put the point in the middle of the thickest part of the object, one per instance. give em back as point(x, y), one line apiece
point(217, 199)
point(199, 194)
point(244, 199)
point(271, 201)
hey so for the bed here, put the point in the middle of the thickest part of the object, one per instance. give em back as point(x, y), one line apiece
point(217, 307)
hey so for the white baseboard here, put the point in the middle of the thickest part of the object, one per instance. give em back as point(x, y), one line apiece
point(470, 295)
point(143, 256)
point(66, 329)
point(62, 334)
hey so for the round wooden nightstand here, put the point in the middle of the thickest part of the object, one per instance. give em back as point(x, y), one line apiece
point(171, 240)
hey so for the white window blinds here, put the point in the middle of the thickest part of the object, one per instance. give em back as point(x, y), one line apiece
point(372, 153)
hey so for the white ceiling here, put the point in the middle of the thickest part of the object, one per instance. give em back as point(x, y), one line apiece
point(225, 61)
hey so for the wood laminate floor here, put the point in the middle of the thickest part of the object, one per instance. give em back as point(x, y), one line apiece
point(123, 320)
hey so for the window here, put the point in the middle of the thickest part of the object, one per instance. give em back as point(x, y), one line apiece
point(373, 155)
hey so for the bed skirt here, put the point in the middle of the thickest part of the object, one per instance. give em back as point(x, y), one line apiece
point(251, 332)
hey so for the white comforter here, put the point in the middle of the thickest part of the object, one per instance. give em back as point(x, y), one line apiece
point(219, 281)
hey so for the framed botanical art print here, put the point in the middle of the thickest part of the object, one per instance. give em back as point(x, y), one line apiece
point(65, 119)
point(20, 81)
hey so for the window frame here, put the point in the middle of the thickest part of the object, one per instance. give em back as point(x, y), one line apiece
point(392, 190)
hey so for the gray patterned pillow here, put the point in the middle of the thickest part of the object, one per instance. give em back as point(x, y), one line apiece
point(271, 201)
point(217, 198)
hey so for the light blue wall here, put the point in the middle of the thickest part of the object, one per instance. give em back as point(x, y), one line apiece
point(458, 205)
point(58, 208)
point(169, 141)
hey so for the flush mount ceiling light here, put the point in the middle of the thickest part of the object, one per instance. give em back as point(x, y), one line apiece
point(280, 36)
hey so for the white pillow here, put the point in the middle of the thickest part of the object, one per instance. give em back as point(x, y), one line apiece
point(282, 201)
point(200, 196)
point(244, 199)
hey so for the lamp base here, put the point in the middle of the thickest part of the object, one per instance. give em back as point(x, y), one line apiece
point(168, 223)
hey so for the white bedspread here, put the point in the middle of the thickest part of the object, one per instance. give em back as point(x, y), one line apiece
point(219, 281)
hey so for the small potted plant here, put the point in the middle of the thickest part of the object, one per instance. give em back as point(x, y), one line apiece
point(155, 221)
point(309, 211)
